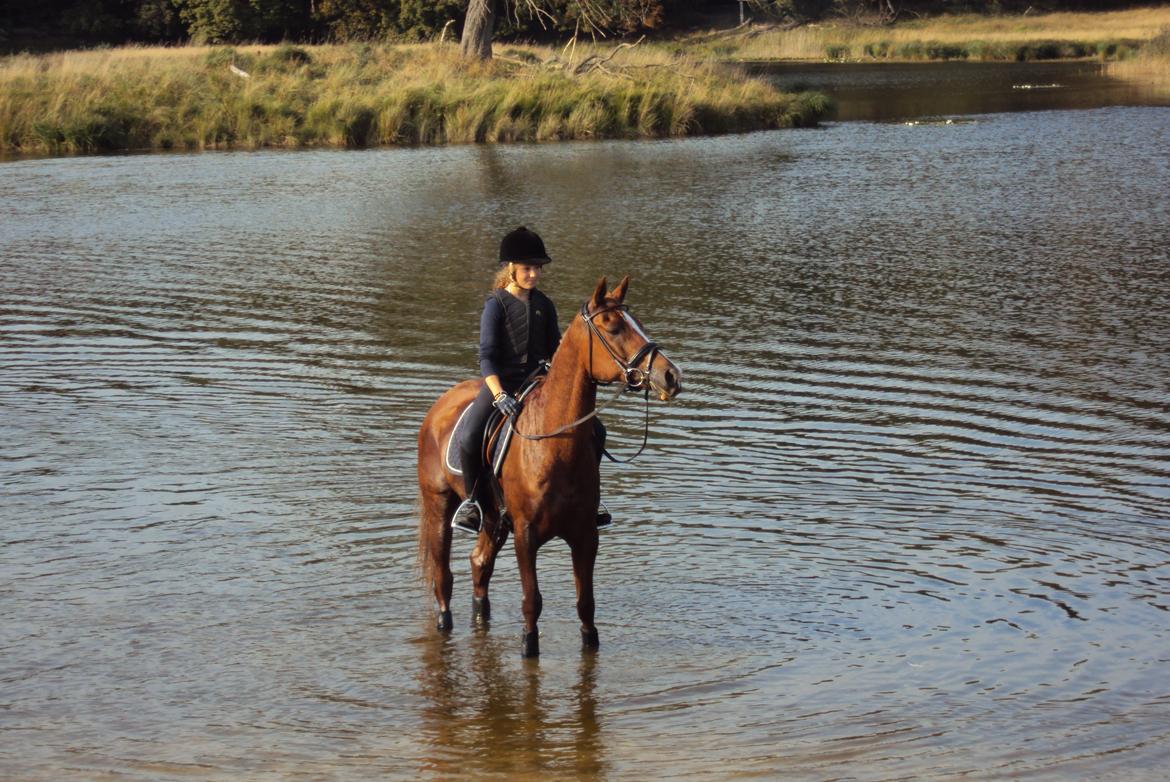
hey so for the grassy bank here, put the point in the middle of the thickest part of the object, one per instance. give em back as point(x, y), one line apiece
point(361, 95)
point(1151, 66)
point(1115, 35)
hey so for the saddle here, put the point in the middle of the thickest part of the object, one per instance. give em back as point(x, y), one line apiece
point(497, 434)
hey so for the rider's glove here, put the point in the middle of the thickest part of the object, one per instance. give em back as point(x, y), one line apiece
point(506, 404)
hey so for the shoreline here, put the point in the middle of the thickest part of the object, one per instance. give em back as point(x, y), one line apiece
point(349, 96)
point(362, 95)
point(1103, 35)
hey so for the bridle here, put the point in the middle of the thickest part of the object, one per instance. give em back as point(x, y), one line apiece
point(636, 379)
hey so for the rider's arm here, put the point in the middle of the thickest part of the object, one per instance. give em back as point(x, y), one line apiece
point(491, 328)
point(493, 383)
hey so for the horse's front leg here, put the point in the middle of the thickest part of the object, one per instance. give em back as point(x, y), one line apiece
point(483, 564)
point(584, 556)
point(526, 548)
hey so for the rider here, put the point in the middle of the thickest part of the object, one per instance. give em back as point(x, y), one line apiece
point(517, 332)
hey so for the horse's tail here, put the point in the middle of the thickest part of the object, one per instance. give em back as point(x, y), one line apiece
point(435, 494)
point(425, 566)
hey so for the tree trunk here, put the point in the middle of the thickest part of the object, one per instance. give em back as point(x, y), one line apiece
point(478, 27)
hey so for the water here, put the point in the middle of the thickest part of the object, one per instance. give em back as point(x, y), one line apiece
point(913, 90)
point(908, 519)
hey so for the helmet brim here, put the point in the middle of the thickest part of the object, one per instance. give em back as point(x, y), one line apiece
point(528, 261)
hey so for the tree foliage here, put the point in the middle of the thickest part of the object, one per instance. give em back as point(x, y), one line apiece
point(51, 23)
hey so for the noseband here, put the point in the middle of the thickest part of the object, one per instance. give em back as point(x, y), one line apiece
point(637, 379)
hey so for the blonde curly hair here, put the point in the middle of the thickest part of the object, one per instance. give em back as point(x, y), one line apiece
point(505, 276)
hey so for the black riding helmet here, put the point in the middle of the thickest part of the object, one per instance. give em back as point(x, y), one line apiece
point(523, 246)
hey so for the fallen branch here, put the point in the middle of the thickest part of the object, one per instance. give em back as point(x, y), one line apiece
point(596, 61)
point(619, 74)
point(711, 36)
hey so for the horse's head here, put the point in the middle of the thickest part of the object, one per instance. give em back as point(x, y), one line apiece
point(624, 353)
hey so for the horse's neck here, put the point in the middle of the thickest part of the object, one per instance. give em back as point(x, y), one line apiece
point(568, 392)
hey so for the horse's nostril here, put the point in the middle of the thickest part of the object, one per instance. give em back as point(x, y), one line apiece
point(671, 379)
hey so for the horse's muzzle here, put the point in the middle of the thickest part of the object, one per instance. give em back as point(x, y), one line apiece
point(665, 378)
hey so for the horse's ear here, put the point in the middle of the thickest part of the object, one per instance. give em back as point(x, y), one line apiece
point(619, 292)
point(597, 300)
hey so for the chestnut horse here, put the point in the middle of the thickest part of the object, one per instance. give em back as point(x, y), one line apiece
point(549, 477)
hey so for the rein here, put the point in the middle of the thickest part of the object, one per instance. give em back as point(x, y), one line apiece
point(636, 379)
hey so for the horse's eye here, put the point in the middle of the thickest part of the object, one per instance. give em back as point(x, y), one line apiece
point(613, 323)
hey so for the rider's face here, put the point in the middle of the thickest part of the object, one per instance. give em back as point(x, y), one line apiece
point(526, 276)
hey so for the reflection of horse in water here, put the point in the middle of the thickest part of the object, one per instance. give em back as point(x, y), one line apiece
point(479, 718)
point(550, 484)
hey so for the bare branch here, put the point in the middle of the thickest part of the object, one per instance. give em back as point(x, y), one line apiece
point(596, 61)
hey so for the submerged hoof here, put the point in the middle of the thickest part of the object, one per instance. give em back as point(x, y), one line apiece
point(530, 645)
point(481, 610)
point(445, 622)
point(589, 639)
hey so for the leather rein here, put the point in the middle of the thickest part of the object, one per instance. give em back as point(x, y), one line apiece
point(635, 379)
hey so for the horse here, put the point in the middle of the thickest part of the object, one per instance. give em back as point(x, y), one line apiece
point(549, 477)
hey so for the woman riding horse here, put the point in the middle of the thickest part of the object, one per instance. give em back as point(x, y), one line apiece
point(518, 335)
point(549, 477)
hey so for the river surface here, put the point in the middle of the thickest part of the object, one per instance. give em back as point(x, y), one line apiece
point(910, 518)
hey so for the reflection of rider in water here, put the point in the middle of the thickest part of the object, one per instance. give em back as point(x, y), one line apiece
point(517, 331)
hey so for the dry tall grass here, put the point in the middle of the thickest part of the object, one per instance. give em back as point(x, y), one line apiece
point(1151, 66)
point(1035, 36)
point(362, 95)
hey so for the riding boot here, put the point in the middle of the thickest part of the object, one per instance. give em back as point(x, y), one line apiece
point(604, 517)
point(468, 515)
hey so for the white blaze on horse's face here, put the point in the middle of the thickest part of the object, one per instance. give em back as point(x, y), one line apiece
point(634, 325)
point(665, 378)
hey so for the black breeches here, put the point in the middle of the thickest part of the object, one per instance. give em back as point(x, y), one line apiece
point(471, 447)
point(599, 437)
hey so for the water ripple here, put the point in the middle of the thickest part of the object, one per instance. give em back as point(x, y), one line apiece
point(908, 520)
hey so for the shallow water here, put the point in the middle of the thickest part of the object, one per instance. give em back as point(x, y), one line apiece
point(908, 519)
point(914, 90)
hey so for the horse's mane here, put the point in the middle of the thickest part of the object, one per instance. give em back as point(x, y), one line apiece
point(536, 397)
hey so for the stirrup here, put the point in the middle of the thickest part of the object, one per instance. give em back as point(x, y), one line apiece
point(467, 516)
point(604, 517)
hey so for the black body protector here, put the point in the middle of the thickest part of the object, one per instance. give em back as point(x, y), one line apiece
point(528, 335)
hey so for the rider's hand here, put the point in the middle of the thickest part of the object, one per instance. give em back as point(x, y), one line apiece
point(506, 404)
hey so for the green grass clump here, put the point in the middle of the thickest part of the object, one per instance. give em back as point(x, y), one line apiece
point(366, 95)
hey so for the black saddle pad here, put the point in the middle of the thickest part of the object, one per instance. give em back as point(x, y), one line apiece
point(499, 445)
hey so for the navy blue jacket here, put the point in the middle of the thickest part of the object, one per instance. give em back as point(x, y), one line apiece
point(515, 336)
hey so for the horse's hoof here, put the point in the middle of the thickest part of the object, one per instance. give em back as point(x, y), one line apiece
point(589, 639)
point(445, 622)
point(531, 645)
point(481, 610)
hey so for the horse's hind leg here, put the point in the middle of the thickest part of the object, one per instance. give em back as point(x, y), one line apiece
point(483, 564)
point(435, 532)
point(584, 556)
